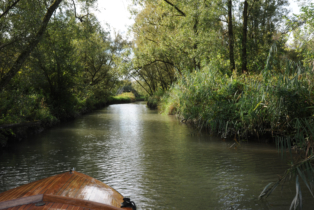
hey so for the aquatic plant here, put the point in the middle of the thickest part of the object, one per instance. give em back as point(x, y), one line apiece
point(276, 103)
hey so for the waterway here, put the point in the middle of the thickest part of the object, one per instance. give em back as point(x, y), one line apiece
point(154, 159)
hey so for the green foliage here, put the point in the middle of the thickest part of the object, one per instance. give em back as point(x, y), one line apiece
point(17, 108)
point(152, 101)
point(123, 98)
point(72, 70)
point(303, 40)
point(242, 105)
point(274, 103)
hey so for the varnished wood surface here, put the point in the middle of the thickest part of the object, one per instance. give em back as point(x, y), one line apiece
point(78, 202)
point(54, 202)
point(21, 201)
point(49, 206)
point(74, 187)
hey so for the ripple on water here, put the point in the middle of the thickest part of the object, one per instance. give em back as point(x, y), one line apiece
point(153, 159)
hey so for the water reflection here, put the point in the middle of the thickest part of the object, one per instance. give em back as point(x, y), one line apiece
point(152, 158)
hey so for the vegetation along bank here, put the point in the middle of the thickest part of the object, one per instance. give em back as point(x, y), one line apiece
point(242, 69)
point(56, 63)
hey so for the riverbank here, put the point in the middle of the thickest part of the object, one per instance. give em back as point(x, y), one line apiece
point(246, 106)
point(11, 132)
point(273, 105)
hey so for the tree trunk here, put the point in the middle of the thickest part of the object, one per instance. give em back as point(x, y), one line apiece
point(230, 33)
point(244, 37)
point(30, 47)
point(195, 28)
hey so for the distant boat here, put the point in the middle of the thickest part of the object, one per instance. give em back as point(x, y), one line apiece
point(71, 190)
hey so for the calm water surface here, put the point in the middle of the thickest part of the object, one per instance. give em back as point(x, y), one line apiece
point(155, 160)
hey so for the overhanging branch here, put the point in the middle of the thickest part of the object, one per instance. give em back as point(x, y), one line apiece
point(180, 11)
point(8, 8)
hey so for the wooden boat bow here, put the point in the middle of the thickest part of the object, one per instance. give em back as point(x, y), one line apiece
point(72, 190)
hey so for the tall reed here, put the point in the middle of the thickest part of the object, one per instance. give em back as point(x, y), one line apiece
point(277, 103)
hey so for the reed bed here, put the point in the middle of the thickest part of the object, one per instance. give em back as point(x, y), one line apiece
point(279, 104)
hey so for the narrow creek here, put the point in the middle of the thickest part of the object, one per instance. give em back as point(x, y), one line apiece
point(154, 159)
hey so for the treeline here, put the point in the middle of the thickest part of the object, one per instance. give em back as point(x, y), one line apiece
point(243, 69)
point(176, 36)
point(56, 61)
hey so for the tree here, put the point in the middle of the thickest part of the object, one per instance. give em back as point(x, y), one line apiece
point(29, 47)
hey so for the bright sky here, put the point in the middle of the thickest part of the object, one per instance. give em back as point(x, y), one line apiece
point(116, 14)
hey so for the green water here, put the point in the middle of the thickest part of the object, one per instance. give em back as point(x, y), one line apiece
point(154, 159)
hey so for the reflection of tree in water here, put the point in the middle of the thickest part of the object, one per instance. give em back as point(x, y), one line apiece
point(151, 158)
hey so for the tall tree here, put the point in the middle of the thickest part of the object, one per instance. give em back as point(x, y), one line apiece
point(30, 46)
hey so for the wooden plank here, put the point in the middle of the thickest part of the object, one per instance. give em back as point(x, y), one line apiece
point(25, 207)
point(55, 187)
point(47, 206)
point(69, 207)
point(106, 196)
point(92, 190)
point(13, 208)
point(65, 206)
point(22, 190)
point(84, 191)
point(14, 193)
point(50, 188)
point(58, 206)
point(80, 203)
point(73, 187)
point(99, 183)
point(36, 190)
point(67, 183)
point(101, 195)
point(21, 201)
point(53, 206)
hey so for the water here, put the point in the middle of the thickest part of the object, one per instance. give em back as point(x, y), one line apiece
point(157, 161)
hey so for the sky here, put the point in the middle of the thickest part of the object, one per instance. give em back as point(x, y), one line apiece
point(116, 14)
